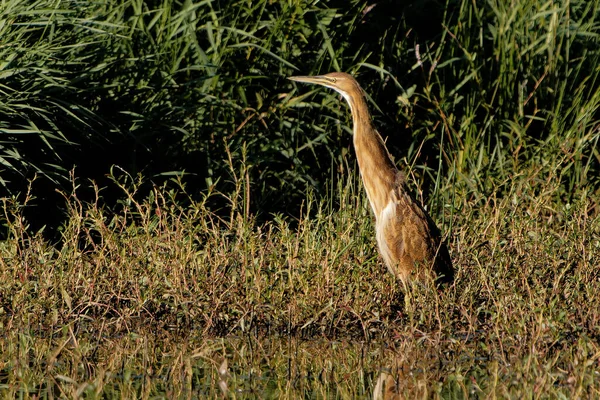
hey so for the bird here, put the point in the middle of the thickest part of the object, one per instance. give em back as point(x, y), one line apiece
point(408, 240)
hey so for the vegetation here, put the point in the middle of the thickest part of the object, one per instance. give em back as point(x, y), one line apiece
point(180, 221)
point(153, 300)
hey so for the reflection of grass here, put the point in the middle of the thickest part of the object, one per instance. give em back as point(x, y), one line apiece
point(152, 299)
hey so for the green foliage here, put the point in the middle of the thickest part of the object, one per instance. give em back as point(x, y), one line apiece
point(525, 92)
point(152, 87)
point(168, 86)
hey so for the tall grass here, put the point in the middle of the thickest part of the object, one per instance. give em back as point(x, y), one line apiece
point(155, 87)
point(522, 97)
point(171, 86)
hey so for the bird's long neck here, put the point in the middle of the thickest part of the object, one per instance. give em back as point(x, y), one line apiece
point(377, 170)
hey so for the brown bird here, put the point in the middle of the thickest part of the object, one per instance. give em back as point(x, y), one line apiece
point(408, 239)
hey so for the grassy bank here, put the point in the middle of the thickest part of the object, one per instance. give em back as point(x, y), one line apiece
point(158, 290)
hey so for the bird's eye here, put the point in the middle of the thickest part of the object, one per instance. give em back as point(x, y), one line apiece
point(333, 80)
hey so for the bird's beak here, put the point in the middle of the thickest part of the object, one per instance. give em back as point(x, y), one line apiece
point(319, 79)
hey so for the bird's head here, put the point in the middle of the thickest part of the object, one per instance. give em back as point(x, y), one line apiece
point(341, 82)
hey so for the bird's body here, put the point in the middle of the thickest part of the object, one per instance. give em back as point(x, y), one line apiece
point(408, 239)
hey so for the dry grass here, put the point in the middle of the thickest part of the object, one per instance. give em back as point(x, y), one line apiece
point(159, 290)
